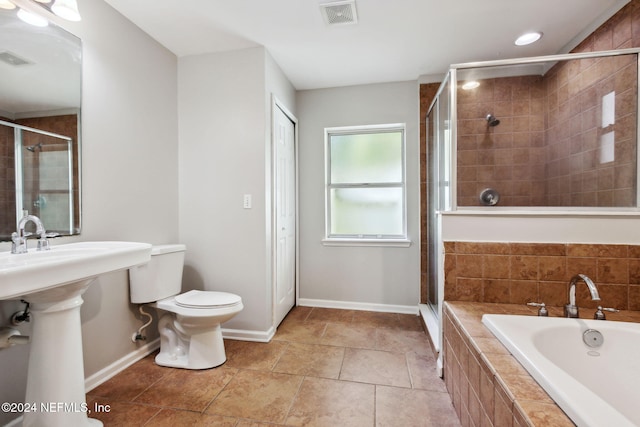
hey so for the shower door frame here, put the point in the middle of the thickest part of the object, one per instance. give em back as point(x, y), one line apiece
point(439, 184)
point(435, 256)
point(19, 170)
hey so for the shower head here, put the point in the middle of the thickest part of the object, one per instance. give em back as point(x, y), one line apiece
point(34, 148)
point(492, 121)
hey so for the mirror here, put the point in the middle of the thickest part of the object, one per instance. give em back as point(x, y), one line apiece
point(40, 95)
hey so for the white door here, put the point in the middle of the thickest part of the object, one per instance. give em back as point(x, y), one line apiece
point(285, 214)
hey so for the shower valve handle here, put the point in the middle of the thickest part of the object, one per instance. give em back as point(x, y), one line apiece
point(542, 308)
point(599, 314)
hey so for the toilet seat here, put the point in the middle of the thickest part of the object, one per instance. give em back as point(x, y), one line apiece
point(207, 299)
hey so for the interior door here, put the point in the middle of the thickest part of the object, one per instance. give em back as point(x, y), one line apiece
point(285, 214)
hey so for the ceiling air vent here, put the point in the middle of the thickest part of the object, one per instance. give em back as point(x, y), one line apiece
point(12, 59)
point(339, 12)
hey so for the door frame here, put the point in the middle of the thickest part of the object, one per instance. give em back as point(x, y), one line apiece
point(276, 103)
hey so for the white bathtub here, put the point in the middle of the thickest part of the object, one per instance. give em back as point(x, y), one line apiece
point(594, 386)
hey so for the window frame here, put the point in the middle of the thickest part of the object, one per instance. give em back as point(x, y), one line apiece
point(365, 239)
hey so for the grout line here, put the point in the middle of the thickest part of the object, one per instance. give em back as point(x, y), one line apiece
point(295, 397)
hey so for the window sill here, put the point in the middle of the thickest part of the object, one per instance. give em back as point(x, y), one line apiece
point(397, 243)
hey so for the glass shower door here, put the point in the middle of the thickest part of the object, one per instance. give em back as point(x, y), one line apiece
point(439, 191)
point(45, 178)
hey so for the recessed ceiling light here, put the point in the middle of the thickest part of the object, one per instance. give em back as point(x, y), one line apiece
point(472, 84)
point(528, 38)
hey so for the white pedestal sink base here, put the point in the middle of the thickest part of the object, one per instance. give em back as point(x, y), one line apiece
point(53, 282)
point(55, 380)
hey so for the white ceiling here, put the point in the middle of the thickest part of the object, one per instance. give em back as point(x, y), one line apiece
point(394, 40)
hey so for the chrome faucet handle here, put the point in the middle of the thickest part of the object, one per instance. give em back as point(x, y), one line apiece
point(18, 243)
point(542, 308)
point(599, 314)
point(43, 242)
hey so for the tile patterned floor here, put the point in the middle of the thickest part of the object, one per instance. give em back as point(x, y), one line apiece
point(324, 367)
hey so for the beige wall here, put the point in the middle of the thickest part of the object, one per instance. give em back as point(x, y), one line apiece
point(225, 146)
point(361, 276)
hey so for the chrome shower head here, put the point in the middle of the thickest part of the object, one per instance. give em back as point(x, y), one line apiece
point(34, 148)
point(492, 121)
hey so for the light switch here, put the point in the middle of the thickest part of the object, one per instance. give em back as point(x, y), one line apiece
point(246, 202)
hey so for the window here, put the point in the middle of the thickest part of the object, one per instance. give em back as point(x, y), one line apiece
point(365, 184)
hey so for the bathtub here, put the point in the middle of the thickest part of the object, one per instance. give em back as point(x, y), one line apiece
point(594, 386)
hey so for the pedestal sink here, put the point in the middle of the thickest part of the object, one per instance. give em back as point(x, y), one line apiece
point(52, 282)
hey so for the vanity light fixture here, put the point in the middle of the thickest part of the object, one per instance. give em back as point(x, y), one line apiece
point(35, 12)
point(66, 9)
point(6, 4)
point(32, 18)
point(471, 84)
point(528, 38)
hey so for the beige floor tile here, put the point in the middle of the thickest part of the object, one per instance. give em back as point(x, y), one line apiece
point(375, 367)
point(298, 314)
point(329, 403)
point(132, 381)
point(306, 332)
point(402, 341)
point(257, 395)
point(375, 319)
point(410, 322)
point(322, 368)
point(413, 408)
point(344, 335)
point(173, 418)
point(311, 360)
point(121, 414)
point(247, 423)
point(187, 388)
point(332, 315)
point(253, 355)
point(422, 370)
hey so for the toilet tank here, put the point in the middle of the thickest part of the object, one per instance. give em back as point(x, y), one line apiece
point(160, 278)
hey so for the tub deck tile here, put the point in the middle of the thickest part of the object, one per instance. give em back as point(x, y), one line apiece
point(508, 395)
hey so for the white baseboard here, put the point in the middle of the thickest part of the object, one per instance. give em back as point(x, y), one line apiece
point(246, 335)
point(350, 305)
point(121, 364)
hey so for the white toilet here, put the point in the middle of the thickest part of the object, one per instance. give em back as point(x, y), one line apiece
point(190, 335)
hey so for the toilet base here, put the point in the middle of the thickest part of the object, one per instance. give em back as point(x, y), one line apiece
point(178, 349)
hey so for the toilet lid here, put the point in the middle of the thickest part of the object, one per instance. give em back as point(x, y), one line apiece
point(207, 299)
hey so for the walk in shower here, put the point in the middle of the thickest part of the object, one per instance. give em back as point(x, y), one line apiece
point(554, 133)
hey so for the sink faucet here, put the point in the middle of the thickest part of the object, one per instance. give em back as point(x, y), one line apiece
point(19, 238)
point(571, 309)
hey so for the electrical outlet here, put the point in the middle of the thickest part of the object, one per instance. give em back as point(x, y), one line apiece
point(246, 201)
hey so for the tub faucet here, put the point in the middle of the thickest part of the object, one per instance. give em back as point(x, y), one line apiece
point(571, 309)
point(19, 238)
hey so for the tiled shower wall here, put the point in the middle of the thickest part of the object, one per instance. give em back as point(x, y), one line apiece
point(578, 173)
point(518, 273)
point(509, 157)
point(7, 184)
point(548, 148)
